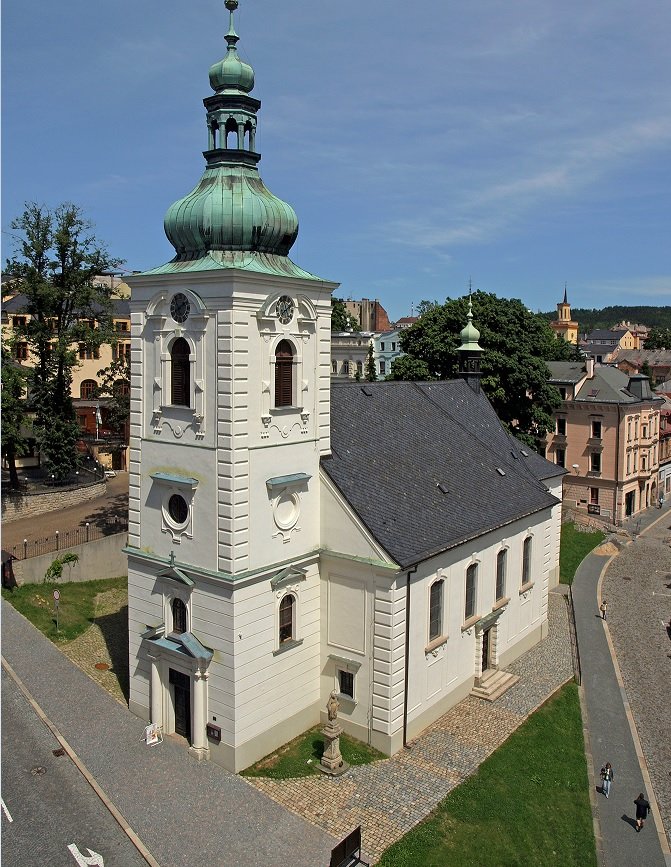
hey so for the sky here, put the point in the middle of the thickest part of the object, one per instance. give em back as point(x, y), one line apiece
point(523, 145)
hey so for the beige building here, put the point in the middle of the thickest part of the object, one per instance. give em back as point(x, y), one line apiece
point(349, 353)
point(607, 436)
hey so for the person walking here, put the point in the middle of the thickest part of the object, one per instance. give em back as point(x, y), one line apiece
point(603, 608)
point(642, 810)
point(607, 777)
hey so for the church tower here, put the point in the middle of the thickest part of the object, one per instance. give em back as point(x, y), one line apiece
point(230, 397)
point(564, 326)
point(470, 352)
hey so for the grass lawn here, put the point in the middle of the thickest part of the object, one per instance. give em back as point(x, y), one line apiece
point(76, 607)
point(575, 546)
point(300, 757)
point(527, 804)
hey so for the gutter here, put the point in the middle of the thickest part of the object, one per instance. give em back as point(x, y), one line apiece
point(407, 655)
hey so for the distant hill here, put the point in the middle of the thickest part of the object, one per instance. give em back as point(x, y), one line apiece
point(653, 317)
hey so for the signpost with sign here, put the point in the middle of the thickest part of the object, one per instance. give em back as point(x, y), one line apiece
point(57, 596)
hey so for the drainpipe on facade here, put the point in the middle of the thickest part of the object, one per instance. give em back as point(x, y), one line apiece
point(407, 655)
point(616, 516)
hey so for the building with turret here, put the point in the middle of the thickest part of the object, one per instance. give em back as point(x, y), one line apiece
point(564, 326)
point(291, 536)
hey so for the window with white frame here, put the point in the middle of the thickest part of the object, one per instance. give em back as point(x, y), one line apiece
point(436, 610)
point(561, 427)
point(346, 683)
point(595, 462)
point(596, 428)
point(287, 619)
point(471, 591)
point(594, 496)
point(179, 619)
point(501, 562)
point(180, 386)
point(560, 457)
point(526, 561)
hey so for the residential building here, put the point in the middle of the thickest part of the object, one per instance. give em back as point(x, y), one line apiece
point(349, 354)
point(606, 436)
point(386, 348)
point(632, 360)
point(405, 322)
point(602, 343)
point(291, 537)
point(107, 446)
point(564, 326)
point(371, 315)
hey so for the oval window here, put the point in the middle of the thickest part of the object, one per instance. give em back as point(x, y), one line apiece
point(178, 509)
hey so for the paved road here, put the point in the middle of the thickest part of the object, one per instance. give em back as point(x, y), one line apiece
point(610, 734)
point(114, 503)
point(50, 804)
point(186, 813)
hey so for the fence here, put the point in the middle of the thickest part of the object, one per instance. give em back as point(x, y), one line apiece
point(67, 539)
point(575, 649)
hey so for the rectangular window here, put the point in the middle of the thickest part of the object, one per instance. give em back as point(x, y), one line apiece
point(526, 561)
point(346, 683)
point(628, 430)
point(501, 574)
point(628, 464)
point(560, 457)
point(436, 611)
point(561, 427)
point(121, 326)
point(393, 347)
point(562, 393)
point(21, 351)
point(644, 431)
point(595, 462)
point(382, 367)
point(594, 496)
point(121, 351)
point(382, 346)
point(86, 353)
point(471, 589)
point(19, 322)
point(596, 429)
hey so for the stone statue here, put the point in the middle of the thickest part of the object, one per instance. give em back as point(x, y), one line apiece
point(332, 706)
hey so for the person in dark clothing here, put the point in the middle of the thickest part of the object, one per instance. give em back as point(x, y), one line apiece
point(642, 810)
point(607, 777)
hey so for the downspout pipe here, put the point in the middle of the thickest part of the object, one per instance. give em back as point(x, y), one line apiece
point(411, 572)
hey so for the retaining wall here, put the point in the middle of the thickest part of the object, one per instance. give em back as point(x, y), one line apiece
point(28, 503)
point(103, 558)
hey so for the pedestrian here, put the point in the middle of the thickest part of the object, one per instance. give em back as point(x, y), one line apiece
point(661, 500)
point(642, 810)
point(607, 777)
point(603, 609)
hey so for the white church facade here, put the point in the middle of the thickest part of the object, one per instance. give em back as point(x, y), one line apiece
point(286, 539)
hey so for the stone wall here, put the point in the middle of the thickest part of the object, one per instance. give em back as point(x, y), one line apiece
point(28, 503)
point(103, 558)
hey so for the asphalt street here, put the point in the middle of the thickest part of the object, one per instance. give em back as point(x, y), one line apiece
point(48, 805)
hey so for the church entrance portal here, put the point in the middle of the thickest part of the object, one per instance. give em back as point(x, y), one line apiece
point(181, 688)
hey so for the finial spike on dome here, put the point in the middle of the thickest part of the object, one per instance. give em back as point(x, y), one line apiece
point(231, 37)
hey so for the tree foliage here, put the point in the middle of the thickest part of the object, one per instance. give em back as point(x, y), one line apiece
point(607, 317)
point(341, 319)
point(56, 259)
point(371, 372)
point(114, 387)
point(14, 415)
point(516, 344)
point(658, 338)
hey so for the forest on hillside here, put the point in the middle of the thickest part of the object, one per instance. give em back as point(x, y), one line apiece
point(588, 320)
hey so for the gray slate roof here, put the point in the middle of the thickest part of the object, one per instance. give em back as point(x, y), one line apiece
point(393, 443)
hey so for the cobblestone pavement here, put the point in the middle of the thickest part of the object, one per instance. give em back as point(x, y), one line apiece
point(387, 798)
point(637, 587)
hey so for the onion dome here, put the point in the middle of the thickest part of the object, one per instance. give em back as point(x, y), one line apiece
point(231, 209)
point(231, 74)
point(470, 334)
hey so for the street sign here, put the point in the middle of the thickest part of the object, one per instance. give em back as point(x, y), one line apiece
point(57, 595)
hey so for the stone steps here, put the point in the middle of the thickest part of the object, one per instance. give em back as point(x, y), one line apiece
point(494, 684)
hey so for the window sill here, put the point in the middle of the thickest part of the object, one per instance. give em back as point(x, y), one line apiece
point(435, 644)
point(347, 701)
point(285, 410)
point(525, 588)
point(470, 623)
point(501, 603)
point(287, 645)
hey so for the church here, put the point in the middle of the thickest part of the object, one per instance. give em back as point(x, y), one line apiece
point(290, 537)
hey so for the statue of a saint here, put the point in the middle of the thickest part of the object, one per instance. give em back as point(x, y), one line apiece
point(332, 706)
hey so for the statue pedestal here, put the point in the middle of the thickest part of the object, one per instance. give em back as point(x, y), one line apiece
point(332, 761)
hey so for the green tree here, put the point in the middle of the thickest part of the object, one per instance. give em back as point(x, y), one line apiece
point(341, 320)
point(371, 372)
point(55, 264)
point(114, 388)
point(658, 338)
point(15, 420)
point(409, 368)
point(646, 371)
point(516, 344)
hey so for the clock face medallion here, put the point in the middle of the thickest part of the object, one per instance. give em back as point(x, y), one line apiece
point(180, 307)
point(285, 309)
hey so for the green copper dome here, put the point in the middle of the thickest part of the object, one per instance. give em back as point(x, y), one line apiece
point(231, 209)
point(470, 334)
point(231, 74)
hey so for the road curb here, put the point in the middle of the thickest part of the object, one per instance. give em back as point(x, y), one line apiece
point(81, 767)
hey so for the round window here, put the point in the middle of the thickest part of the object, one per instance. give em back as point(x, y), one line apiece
point(178, 509)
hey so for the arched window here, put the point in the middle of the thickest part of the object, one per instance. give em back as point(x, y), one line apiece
point(471, 590)
point(179, 373)
point(284, 379)
point(359, 367)
point(287, 618)
point(436, 610)
point(334, 367)
point(178, 616)
point(232, 134)
point(501, 574)
point(526, 561)
point(88, 389)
